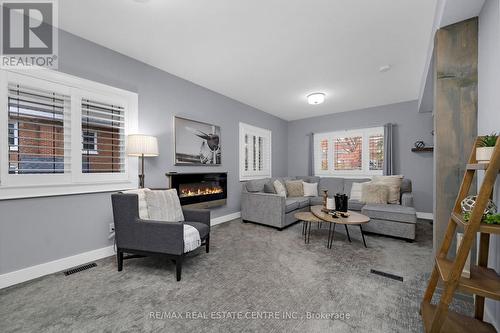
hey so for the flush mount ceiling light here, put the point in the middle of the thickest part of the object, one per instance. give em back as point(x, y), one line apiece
point(315, 98)
point(384, 68)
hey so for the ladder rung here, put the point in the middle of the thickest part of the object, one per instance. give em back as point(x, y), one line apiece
point(483, 227)
point(454, 322)
point(458, 219)
point(477, 166)
point(483, 281)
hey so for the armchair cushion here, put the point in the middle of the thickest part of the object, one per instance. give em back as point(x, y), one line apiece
point(164, 205)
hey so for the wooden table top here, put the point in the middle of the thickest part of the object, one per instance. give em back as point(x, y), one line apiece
point(354, 218)
point(307, 217)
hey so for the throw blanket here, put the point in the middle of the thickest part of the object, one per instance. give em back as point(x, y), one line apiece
point(191, 238)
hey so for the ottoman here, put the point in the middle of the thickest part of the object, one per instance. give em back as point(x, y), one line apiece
point(391, 220)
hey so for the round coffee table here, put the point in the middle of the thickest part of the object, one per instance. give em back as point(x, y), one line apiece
point(353, 219)
point(307, 218)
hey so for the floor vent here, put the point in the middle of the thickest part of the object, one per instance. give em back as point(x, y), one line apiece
point(80, 268)
point(387, 275)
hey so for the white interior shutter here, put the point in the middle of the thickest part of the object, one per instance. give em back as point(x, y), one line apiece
point(103, 137)
point(39, 131)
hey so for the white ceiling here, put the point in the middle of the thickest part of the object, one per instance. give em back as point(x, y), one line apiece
point(271, 53)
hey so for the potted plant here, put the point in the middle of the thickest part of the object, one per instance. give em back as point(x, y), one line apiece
point(486, 147)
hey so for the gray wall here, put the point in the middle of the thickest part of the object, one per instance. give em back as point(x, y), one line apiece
point(34, 231)
point(410, 127)
point(489, 113)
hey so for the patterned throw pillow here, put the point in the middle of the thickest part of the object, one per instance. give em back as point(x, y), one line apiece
point(310, 189)
point(374, 193)
point(294, 188)
point(164, 206)
point(280, 189)
point(394, 185)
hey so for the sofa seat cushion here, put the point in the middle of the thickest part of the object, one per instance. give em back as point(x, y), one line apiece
point(355, 205)
point(202, 228)
point(390, 212)
point(291, 205)
point(303, 201)
point(316, 201)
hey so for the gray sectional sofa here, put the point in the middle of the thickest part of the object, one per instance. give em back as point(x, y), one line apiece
point(260, 204)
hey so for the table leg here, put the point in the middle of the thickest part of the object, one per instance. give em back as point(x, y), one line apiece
point(347, 231)
point(329, 236)
point(309, 233)
point(303, 227)
point(362, 235)
point(305, 232)
point(333, 235)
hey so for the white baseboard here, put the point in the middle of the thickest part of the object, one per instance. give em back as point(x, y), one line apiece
point(425, 216)
point(491, 319)
point(33, 272)
point(225, 218)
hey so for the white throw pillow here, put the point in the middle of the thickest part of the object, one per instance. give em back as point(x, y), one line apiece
point(356, 191)
point(394, 185)
point(164, 205)
point(280, 188)
point(191, 238)
point(143, 205)
point(310, 189)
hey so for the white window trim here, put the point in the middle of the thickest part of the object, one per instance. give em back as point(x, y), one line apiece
point(365, 169)
point(253, 130)
point(75, 182)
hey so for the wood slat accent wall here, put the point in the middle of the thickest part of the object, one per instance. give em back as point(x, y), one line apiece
point(455, 114)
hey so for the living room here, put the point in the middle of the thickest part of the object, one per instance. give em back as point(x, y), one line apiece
point(257, 130)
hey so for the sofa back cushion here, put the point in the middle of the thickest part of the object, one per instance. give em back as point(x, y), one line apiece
point(164, 205)
point(256, 185)
point(332, 184)
point(349, 181)
point(309, 179)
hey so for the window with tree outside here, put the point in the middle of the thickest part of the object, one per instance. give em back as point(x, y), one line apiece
point(353, 152)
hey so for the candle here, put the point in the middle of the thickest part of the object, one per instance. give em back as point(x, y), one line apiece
point(330, 203)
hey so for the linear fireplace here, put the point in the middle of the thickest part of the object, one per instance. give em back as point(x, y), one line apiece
point(202, 190)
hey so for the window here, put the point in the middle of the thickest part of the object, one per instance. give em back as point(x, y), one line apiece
point(64, 135)
point(344, 153)
point(13, 136)
point(255, 152)
point(102, 137)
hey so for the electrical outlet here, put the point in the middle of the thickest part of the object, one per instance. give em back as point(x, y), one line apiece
point(111, 228)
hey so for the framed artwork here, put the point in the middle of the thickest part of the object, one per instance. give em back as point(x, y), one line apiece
point(196, 143)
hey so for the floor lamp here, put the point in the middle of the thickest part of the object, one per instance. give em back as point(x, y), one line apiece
point(142, 146)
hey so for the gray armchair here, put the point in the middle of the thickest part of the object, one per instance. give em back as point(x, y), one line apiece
point(148, 237)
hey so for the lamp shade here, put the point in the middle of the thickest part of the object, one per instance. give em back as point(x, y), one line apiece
point(142, 145)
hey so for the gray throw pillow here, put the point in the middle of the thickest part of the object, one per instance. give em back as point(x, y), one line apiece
point(269, 188)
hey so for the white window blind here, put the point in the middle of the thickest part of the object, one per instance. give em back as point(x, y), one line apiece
point(39, 130)
point(255, 152)
point(61, 134)
point(103, 137)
